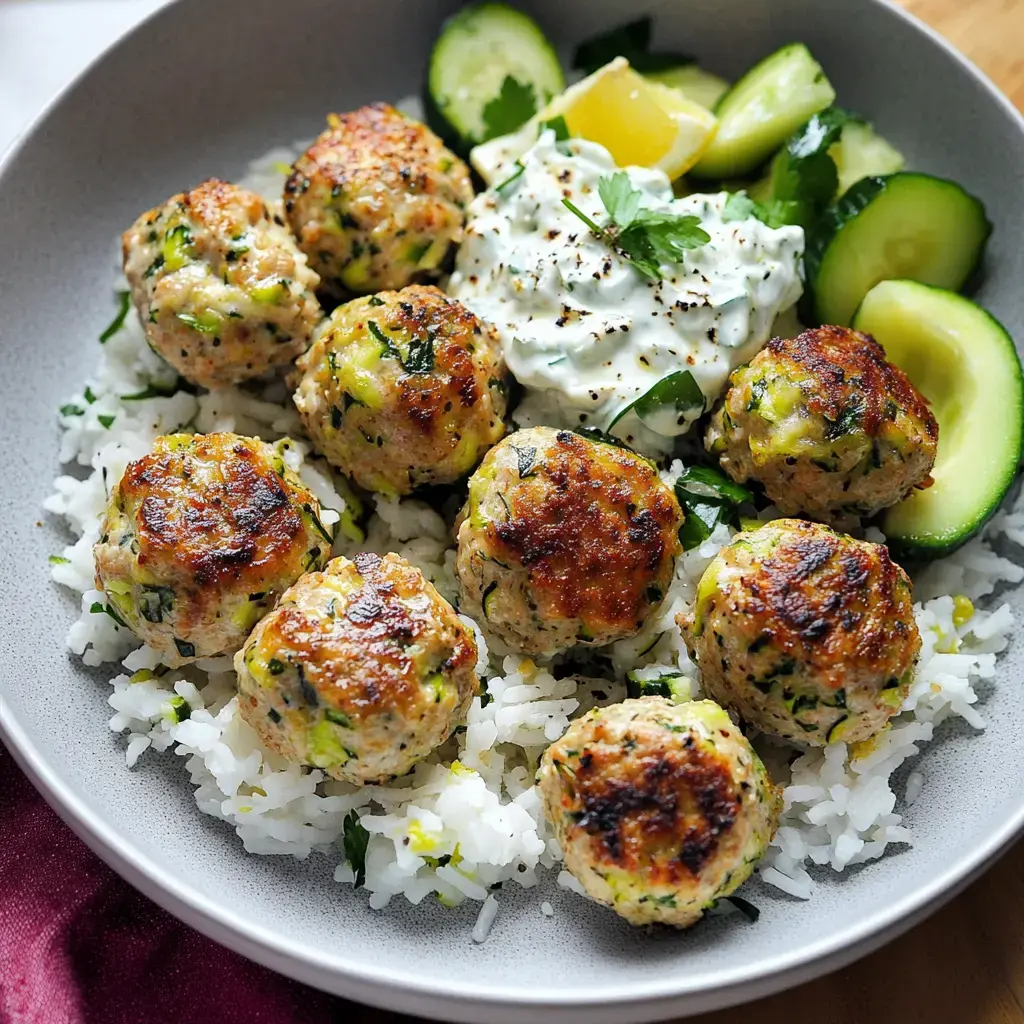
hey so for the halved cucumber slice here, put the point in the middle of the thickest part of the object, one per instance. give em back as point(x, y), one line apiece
point(693, 82)
point(906, 225)
point(476, 54)
point(763, 109)
point(963, 361)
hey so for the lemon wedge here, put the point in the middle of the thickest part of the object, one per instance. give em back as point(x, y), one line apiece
point(640, 122)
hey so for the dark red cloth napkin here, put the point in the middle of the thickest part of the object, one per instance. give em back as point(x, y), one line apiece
point(80, 946)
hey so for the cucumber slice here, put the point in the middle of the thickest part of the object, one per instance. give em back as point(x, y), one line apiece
point(491, 69)
point(904, 225)
point(963, 361)
point(693, 82)
point(860, 153)
point(763, 109)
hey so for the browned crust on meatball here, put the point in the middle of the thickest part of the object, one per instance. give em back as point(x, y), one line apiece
point(377, 631)
point(243, 519)
point(589, 545)
point(365, 136)
point(664, 813)
point(833, 603)
point(373, 154)
point(846, 364)
point(221, 206)
point(213, 201)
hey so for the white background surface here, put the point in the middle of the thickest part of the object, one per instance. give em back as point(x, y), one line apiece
point(45, 43)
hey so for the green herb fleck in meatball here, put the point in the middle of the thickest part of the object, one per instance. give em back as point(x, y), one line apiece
point(222, 291)
point(828, 426)
point(659, 808)
point(565, 541)
point(377, 201)
point(805, 633)
point(404, 389)
point(362, 670)
point(200, 539)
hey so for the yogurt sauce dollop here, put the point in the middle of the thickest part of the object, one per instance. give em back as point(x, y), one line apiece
point(584, 332)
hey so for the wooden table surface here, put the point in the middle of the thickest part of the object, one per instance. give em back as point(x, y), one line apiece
point(965, 964)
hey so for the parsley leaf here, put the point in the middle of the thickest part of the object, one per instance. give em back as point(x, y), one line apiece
point(678, 392)
point(420, 358)
point(776, 213)
point(514, 105)
point(804, 173)
point(558, 126)
point(421, 355)
point(631, 41)
point(708, 497)
point(748, 910)
point(647, 238)
point(156, 390)
point(125, 300)
point(620, 199)
point(355, 839)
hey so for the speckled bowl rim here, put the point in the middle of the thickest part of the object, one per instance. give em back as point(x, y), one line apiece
point(674, 995)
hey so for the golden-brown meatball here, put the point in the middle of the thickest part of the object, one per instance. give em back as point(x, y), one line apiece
point(362, 670)
point(660, 808)
point(201, 537)
point(404, 389)
point(377, 201)
point(222, 291)
point(565, 540)
point(807, 634)
point(827, 425)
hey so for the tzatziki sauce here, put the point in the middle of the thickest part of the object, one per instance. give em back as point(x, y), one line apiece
point(586, 333)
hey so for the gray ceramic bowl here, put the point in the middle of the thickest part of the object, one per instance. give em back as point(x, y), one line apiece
point(200, 89)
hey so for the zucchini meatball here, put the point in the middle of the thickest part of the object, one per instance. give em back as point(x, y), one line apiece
point(805, 633)
point(362, 670)
point(565, 540)
point(404, 389)
point(828, 426)
point(222, 291)
point(660, 808)
point(200, 538)
point(377, 201)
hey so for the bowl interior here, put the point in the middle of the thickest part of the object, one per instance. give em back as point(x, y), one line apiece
point(177, 102)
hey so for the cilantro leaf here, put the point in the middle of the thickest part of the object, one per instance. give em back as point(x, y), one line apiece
point(514, 105)
point(632, 41)
point(647, 238)
point(355, 839)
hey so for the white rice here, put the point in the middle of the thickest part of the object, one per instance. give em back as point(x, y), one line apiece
point(469, 819)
